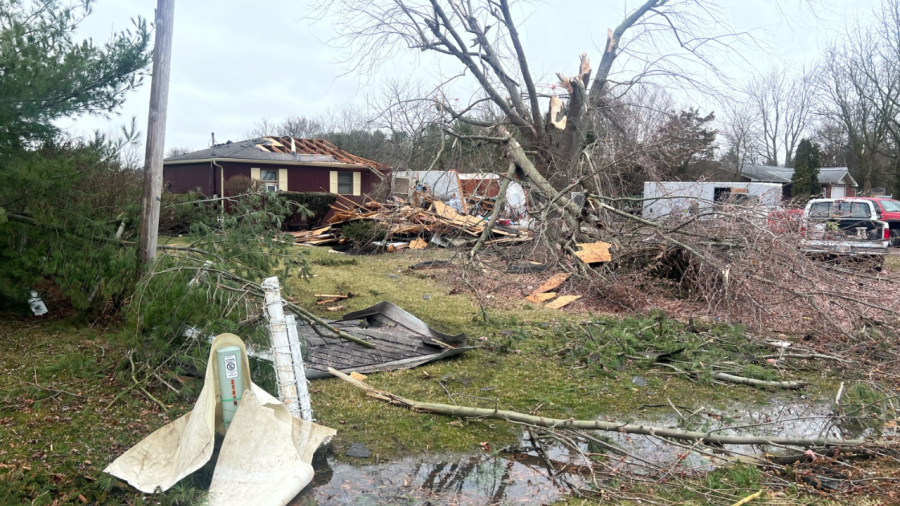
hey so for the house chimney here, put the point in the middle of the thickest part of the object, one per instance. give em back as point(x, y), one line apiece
point(212, 144)
point(293, 146)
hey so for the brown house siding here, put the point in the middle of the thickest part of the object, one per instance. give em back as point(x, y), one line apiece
point(184, 178)
point(190, 177)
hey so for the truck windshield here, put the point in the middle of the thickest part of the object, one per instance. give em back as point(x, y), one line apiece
point(891, 206)
point(820, 210)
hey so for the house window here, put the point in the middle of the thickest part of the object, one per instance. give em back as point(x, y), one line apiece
point(345, 183)
point(269, 179)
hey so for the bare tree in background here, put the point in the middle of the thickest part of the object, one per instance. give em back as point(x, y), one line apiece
point(544, 132)
point(178, 150)
point(851, 100)
point(783, 101)
point(875, 58)
point(739, 129)
point(831, 136)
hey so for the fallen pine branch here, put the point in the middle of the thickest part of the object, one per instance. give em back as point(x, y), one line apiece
point(571, 423)
point(251, 288)
point(730, 378)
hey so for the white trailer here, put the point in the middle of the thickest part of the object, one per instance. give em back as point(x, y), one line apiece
point(680, 199)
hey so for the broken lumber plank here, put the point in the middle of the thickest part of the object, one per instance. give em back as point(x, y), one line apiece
point(337, 296)
point(552, 283)
point(594, 252)
point(418, 244)
point(563, 301)
point(336, 308)
point(327, 301)
point(538, 298)
point(448, 213)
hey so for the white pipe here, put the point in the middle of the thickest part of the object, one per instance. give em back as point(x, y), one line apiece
point(281, 348)
point(299, 372)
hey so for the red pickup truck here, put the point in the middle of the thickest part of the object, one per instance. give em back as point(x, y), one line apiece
point(888, 211)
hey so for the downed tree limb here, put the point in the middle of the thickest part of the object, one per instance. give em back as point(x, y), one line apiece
point(741, 380)
point(571, 423)
point(498, 206)
point(749, 498)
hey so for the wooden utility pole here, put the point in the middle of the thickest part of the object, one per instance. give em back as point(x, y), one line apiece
point(156, 129)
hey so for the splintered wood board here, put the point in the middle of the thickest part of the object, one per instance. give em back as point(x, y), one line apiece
point(448, 213)
point(537, 298)
point(418, 244)
point(552, 283)
point(594, 252)
point(562, 301)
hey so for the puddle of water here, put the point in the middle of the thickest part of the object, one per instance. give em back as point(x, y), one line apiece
point(523, 478)
point(518, 479)
point(809, 419)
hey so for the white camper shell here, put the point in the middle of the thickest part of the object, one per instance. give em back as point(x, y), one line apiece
point(682, 199)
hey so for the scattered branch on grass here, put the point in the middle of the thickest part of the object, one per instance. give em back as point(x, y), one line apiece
point(731, 378)
point(571, 423)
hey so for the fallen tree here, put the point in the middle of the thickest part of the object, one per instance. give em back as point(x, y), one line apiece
point(571, 423)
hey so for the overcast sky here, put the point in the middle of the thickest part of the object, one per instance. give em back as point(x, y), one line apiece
point(235, 62)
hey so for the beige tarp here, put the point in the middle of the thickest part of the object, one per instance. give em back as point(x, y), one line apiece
point(265, 458)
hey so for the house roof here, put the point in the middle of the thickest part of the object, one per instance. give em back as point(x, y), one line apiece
point(767, 174)
point(279, 150)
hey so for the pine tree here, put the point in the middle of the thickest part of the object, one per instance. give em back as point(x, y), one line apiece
point(807, 163)
point(46, 75)
point(62, 199)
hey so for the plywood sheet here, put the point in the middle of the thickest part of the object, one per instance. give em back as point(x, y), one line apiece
point(594, 252)
point(552, 283)
point(562, 301)
point(537, 298)
point(418, 244)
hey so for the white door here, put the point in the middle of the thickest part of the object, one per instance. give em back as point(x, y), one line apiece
point(838, 191)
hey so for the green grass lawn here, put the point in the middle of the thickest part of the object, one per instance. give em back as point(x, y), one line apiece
point(66, 409)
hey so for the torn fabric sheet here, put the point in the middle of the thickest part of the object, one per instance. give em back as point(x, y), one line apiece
point(264, 447)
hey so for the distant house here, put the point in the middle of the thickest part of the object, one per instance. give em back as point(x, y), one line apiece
point(836, 181)
point(279, 163)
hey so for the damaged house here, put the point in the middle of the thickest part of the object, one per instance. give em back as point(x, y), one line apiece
point(279, 163)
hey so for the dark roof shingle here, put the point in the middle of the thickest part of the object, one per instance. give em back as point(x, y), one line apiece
point(279, 149)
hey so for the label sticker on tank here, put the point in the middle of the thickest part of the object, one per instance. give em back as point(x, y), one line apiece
point(231, 370)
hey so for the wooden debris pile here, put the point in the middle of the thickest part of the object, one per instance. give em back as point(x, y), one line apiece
point(325, 298)
point(410, 225)
point(589, 253)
